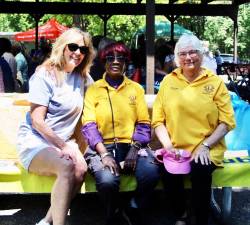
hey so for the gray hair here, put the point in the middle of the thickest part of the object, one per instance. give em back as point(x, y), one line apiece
point(187, 40)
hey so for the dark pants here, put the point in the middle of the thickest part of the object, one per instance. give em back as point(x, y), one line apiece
point(201, 180)
point(147, 175)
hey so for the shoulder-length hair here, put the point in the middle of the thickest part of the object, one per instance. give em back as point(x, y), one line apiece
point(57, 61)
point(118, 47)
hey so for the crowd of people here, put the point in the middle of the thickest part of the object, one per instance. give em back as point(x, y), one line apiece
point(117, 126)
point(17, 65)
point(23, 64)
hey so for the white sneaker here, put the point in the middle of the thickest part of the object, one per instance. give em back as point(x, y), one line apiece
point(42, 222)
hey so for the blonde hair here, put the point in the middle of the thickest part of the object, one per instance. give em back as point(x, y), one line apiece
point(56, 61)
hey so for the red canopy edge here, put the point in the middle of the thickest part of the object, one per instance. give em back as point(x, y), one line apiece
point(50, 30)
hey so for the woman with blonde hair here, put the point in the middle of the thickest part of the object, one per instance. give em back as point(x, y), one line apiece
point(44, 139)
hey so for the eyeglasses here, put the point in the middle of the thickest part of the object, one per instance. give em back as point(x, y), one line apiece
point(112, 58)
point(73, 47)
point(191, 53)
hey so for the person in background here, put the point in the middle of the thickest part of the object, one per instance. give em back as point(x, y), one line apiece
point(208, 61)
point(56, 94)
point(97, 69)
point(44, 50)
point(7, 81)
point(169, 62)
point(138, 58)
point(37, 57)
point(22, 66)
point(164, 57)
point(117, 128)
point(5, 46)
point(164, 60)
point(192, 111)
point(219, 62)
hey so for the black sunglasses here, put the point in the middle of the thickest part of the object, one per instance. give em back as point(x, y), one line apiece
point(112, 58)
point(73, 47)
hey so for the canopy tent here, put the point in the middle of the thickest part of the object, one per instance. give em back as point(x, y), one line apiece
point(162, 30)
point(50, 30)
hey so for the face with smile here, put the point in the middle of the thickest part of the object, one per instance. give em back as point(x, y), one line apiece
point(74, 53)
point(189, 59)
point(115, 65)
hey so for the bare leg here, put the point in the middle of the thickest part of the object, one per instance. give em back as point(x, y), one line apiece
point(60, 200)
point(48, 162)
point(48, 217)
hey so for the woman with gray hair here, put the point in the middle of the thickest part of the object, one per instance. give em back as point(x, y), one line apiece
point(44, 140)
point(192, 111)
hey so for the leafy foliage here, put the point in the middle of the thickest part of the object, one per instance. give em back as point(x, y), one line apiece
point(219, 31)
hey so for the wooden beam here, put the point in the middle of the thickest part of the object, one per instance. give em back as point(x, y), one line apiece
point(73, 8)
point(116, 8)
point(150, 36)
point(235, 40)
point(240, 2)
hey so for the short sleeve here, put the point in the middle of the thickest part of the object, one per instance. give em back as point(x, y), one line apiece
point(158, 115)
point(142, 109)
point(89, 106)
point(40, 88)
point(223, 102)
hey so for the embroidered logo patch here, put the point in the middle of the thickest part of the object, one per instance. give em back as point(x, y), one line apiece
point(207, 89)
point(132, 100)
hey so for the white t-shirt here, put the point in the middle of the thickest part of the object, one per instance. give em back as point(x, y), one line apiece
point(64, 103)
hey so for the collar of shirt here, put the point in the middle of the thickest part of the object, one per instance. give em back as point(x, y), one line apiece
point(114, 83)
point(205, 73)
point(104, 83)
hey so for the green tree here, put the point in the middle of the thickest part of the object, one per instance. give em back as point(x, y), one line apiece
point(219, 32)
point(244, 31)
point(123, 27)
point(15, 22)
point(195, 24)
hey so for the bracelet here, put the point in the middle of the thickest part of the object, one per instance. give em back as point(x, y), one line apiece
point(206, 145)
point(103, 155)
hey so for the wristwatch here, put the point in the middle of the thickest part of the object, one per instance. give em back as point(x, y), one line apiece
point(137, 145)
point(206, 145)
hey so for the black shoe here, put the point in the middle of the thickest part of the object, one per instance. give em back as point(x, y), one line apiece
point(133, 216)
